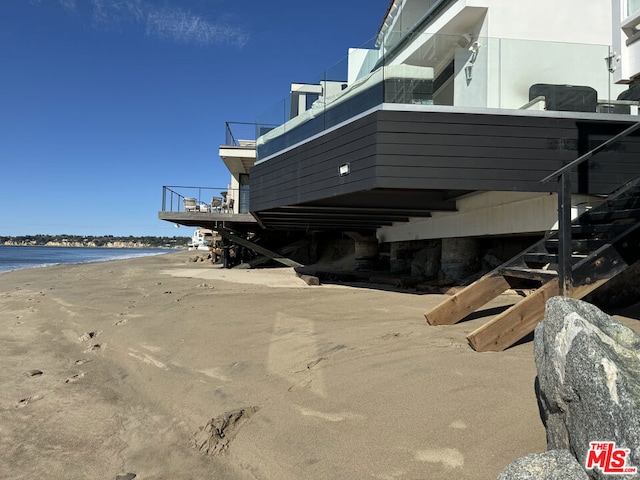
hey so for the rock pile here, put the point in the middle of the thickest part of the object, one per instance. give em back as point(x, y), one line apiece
point(588, 390)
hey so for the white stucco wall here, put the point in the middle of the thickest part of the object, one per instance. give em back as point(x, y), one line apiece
point(521, 43)
point(626, 58)
point(573, 21)
point(488, 213)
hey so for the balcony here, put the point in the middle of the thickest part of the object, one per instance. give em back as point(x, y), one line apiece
point(453, 73)
point(206, 207)
point(396, 135)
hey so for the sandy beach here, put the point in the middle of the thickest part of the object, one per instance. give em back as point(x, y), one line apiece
point(118, 367)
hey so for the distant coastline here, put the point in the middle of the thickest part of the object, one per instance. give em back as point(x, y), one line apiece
point(104, 241)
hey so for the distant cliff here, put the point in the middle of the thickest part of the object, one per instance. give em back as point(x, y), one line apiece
point(106, 241)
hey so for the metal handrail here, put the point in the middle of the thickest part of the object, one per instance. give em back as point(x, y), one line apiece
point(230, 138)
point(564, 209)
point(173, 197)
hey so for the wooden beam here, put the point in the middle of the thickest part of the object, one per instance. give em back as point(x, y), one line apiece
point(519, 320)
point(258, 249)
point(514, 323)
point(467, 301)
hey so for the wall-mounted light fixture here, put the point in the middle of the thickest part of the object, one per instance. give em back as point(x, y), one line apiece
point(474, 49)
point(611, 60)
point(468, 72)
point(344, 169)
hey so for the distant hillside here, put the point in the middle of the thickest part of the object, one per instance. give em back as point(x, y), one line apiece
point(107, 241)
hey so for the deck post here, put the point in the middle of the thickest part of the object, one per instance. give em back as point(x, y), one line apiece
point(564, 234)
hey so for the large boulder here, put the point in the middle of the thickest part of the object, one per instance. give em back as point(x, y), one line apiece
point(588, 383)
point(550, 465)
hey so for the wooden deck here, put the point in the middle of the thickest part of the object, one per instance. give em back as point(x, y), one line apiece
point(212, 221)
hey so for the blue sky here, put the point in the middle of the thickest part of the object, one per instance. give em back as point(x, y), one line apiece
point(102, 102)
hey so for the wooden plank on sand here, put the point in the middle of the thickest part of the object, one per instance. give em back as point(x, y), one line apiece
point(467, 301)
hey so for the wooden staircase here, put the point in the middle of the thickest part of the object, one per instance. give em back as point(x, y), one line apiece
point(604, 241)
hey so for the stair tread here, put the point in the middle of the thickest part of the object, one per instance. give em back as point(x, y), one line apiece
point(546, 258)
point(598, 216)
point(581, 245)
point(529, 273)
point(531, 270)
point(587, 229)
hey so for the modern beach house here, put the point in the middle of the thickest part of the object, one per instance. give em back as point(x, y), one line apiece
point(443, 144)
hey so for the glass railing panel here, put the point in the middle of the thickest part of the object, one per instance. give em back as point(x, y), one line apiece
point(404, 22)
point(240, 134)
point(570, 77)
point(453, 70)
point(424, 73)
point(633, 7)
point(312, 104)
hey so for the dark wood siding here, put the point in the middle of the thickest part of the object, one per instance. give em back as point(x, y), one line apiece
point(471, 151)
point(443, 151)
point(614, 166)
point(311, 172)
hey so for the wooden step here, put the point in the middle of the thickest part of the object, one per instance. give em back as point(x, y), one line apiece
point(514, 323)
point(520, 319)
point(537, 274)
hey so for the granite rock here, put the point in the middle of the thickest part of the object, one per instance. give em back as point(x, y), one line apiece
point(550, 465)
point(588, 383)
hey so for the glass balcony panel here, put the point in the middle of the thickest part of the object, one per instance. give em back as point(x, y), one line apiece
point(571, 77)
point(460, 71)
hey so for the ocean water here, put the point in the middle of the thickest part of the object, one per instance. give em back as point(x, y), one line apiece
point(18, 257)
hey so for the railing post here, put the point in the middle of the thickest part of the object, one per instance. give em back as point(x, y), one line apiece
point(564, 234)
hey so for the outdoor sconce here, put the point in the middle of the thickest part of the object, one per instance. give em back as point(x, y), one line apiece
point(468, 72)
point(344, 169)
point(611, 61)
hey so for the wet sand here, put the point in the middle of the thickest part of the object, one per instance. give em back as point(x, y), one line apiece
point(119, 367)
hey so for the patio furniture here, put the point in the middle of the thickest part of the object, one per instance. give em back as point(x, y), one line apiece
point(216, 204)
point(190, 204)
point(227, 206)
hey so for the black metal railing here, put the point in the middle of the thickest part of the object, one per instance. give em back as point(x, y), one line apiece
point(204, 199)
point(237, 132)
point(563, 175)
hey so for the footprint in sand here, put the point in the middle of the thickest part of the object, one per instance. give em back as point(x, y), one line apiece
point(126, 476)
point(95, 347)
point(26, 401)
point(121, 322)
point(88, 336)
point(33, 373)
point(81, 361)
point(75, 378)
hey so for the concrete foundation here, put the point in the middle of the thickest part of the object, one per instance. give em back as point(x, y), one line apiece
point(418, 258)
point(460, 258)
point(366, 253)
